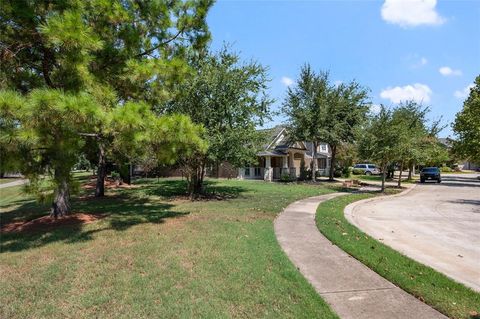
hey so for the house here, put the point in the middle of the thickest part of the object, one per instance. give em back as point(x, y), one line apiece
point(280, 156)
point(462, 165)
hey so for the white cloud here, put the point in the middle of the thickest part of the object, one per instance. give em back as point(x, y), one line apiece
point(423, 61)
point(417, 92)
point(447, 71)
point(464, 93)
point(375, 108)
point(411, 13)
point(337, 83)
point(287, 81)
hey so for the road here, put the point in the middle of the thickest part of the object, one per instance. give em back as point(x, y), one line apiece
point(435, 224)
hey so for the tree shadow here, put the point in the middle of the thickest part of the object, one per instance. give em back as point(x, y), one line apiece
point(121, 213)
point(174, 188)
point(466, 201)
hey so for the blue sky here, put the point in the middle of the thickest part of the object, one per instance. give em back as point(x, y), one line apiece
point(420, 49)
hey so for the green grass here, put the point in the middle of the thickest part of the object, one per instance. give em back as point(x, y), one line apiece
point(447, 296)
point(158, 255)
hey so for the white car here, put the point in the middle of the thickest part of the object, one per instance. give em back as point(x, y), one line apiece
point(368, 169)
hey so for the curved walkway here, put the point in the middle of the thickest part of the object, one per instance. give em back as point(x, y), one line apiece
point(435, 224)
point(348, 286)
point(14, 183)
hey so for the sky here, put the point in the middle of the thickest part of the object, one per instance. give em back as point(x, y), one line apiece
point(423, 50)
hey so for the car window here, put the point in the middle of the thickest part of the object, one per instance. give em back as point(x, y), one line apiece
point(430, 170)
point(371, 166)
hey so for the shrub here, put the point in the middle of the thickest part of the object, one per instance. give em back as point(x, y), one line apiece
point(446, 169)
point(305, 174)
point(357, 171)
point(115, 175)
point(286, 178)
point(347, 172)
point(337, 172)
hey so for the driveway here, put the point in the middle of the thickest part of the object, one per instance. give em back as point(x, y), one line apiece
point(435, 224)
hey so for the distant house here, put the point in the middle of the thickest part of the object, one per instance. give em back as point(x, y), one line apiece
point(282, 156)
point(447, 142)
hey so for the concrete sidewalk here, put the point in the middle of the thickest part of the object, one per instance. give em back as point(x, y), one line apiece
point(14, 183)
point(349, 287)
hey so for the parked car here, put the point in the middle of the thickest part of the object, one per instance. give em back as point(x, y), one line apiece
point(367, 169)
point(430, 173)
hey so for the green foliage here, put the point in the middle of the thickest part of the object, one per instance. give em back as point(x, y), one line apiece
point(467, 126)
point(434, 288)
point(286, 178)
point(45, 139)
point(132, 48)
point(446, 169)
point(227, 97)
point(320, 111)
point(357, 171)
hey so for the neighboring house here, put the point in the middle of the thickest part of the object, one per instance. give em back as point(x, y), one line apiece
point(281, 156)
point(447, 142)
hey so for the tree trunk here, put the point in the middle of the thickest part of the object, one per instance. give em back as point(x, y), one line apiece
point(195, 185)
point(400, 175)
point(101, 172)
point(384, 171)
point(61, 201)
point(314, 161)
point(332, 162)
point(410, 171)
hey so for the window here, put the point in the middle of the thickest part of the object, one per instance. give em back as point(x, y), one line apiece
point(323, 147)
point(247, 171)
point(257, 171)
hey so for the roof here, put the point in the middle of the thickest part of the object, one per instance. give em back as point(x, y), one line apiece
point(277, 142)
point(445, 141)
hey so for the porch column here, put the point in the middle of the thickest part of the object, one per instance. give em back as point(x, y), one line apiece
point(285, 165)
point(268, 169)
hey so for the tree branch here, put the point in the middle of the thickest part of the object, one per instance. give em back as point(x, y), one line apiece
point(161, 44)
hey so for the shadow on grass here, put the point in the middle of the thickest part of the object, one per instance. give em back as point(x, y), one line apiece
point(128, 208)
point(172, 188)
point(121, 214)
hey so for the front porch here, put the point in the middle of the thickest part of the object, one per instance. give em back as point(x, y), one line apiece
point(273, 165)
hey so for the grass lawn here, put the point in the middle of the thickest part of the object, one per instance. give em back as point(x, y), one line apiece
point(449, 297)
point(157, 255)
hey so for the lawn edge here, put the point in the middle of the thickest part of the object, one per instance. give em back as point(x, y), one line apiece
point(380, 197)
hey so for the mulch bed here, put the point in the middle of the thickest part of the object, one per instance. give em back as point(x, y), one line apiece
point(48, 223)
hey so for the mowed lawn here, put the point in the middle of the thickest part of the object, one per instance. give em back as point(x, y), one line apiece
point(157, 254)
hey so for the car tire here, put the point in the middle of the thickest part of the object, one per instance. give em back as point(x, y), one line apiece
point(422, 181)
point(368, 173)
point(439, 181)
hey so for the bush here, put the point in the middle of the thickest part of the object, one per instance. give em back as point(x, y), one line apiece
point(286, 178)
point(337, 172)
point(347, 172)
point(115, 175)
point(357, 171)
point(446, 169)
point(305, 174)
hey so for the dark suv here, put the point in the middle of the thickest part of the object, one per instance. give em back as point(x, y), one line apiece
point(431, 173)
